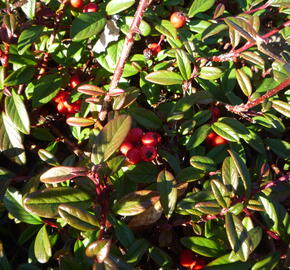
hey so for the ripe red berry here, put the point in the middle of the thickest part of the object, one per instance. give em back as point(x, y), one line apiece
point(76, 3)
point(155, 48)
point(135, 134)
point(90, 7)
point(186, 258)
point(177, 19)
point(125, 147)
point(133, 156)
point(151, 138)
point(74, 81)
point(61, 96)
point(148, 152)
point(216, 112)
point(74, 107)
point(210, 137)
point(61, 108)
point(218, 140)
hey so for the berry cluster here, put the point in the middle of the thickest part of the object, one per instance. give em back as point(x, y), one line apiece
point(61, 99)
point(213, 139)
point(90, 7)
point(140, 146)
point(189, 260)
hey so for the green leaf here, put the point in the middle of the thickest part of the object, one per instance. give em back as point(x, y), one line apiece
point(202, 163)
point(78, 218)
point(209, 208)
point(29, 8)
point(221, 193)
point(47, 157)
point(183, 63)
point(238, 237)
point(167, 29)
point(46, 89)
point(168, 192)
point(45, 202)
point(136, 202)
point(199, 6)
point(99, 249)
point(160, 257)
point(244, 82)
point(254, 58)
point(42, 246)
point(198, 136)
point(203, 246)
point(116, 6)
point(243, 172)
point(279, 147)
point(213, 29)
point(281, 107)
point(16, 111)
point(226, 131)
point(146, 118)
point(11, 141)
point(143, 172)
point(28, 36)
point(236, 125)
point(80, 121)
point(189, 174)
point(137, 250)
point(110, 138)
point(144, 27)
point(13, 203)
point(210, 73)
point(62, 173)
point(4, 263)
point(267, 263)
point(87, 25)
point(164, 77)
point(22, 75)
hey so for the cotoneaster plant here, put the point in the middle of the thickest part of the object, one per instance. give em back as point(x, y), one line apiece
point(144, 135)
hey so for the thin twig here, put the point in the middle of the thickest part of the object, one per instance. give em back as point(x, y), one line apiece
point(129, 41)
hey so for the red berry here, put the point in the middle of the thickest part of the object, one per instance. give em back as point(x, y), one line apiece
point(155, 48)
point(61, 97)
point(177, 19)
point(133, 156)
point(74, 81)
point(186, 258)
point(90, 7)
point(197, 264)
point(148, 152)
point(210, 137)
point(216, 112)
point(61, 108)
point(151, 138)
point(218, 140)
point(76, 3)
point(126, 147)
point(135, 134)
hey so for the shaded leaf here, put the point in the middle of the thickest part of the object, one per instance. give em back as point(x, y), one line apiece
point(202, 163)
point(160, 257)
point(20, 76)
point(146, 118)
point(209, 208)
point(137, 250)
point(28, 36)
point(267, 263)
point(279, 147)
point(99, 249)
point(221, 193)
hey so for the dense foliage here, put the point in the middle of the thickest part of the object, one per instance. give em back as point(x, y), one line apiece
point(144, 134)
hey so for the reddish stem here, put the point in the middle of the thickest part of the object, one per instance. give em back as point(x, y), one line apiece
point(258, 8)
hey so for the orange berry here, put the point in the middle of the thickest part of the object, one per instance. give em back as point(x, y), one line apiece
point(155, 48)
point(218, 140)
point(76, 3)
point(61, 96)
point(177, 19)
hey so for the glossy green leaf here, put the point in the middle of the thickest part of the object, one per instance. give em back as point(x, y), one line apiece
point(244, 82)
point(144, 27)
point(78, 218)
point(110, 138)
point(11, 142)
point(80, 121)
point(243, 172)
point(254, 140)
point(236, 209)
point(47, 157)
point(183, 63)
point(29, 8)
point(87, 25)
point(236, 125)
point(221, 193)
point(62, 173)
point(146, 118)
point(116, 6)
point(136, 202)
point(16, 111)
point(198, 6)
point(20, 76)
point(279, 147)
point(238, 237)
point(208, 208)
point(226, 131)
point(160, 257)
point(164, 77)
point(166, 29)
point(210, 73)
point(46, 89)
point(268, 263)
point(253, 57)
point(235, 37)
point(28, 36)
point(213, 30)
point(99, 249)
point(45, 202)
point(143, 172)
point(282, 107)
point(198, 136)
point(280, 3)
point(137, 250)
point(13, 203)
point(189, 174)
point(168, 192)
point(42, 246)
point(202, 163)
point(203, 246)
